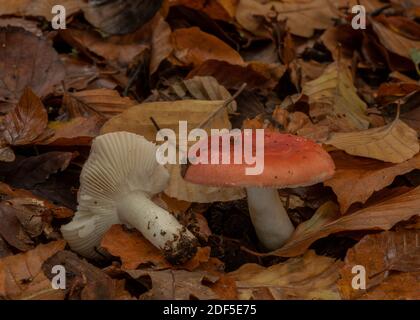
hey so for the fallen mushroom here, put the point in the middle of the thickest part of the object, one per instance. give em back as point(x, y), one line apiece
point(289, 161)
point(116, 186)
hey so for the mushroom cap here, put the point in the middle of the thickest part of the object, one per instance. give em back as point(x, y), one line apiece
point(289, 161)
point(118, 163)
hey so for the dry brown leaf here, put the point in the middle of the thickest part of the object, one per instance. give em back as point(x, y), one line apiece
point(334, 101)
point(393, 41)
point(356, 179)
point(342, 41)
point(120, 16)
point(11, 230)
point(37, 67)
point(326, 220)
point(401, 25)
point(6, 154)
point(106, 102)
point(136, 252)
point(395, 142)
point(115, 51)
point(133, 249)
point(21, 276)
point(379, 254)
point(87, 282)
point(204, 88)
point(202, 257)
point(302, 71)
point(160, 43)
point(306, 277)
point(81, 75)
point(7, 193)
point(28, 172)
point(400, 286)
point(76, 132)
point(390, 92)
point(216, 9)
point(167, 115)
point(254, 74)
point(303, 16)
point(193, 47)
point(300, 124)
point(225, 288)
point(28, 25)
point(412, 118)
point(5, 250)
point(40, 8)
point(27, 123)
point(175, 284)
point(370, 5)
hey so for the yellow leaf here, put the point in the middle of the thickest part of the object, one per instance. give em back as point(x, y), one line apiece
point(303, 16)
point(334, 101)
point(395, 142)
point(381, 254)
point(393, 41)
point(380, 216)
point(21, 275)
point(306, 277)
point(356, 179)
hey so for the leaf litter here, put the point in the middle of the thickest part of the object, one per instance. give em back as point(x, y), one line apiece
point(283, 66)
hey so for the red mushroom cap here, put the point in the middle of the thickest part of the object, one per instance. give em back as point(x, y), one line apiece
point(289, 161)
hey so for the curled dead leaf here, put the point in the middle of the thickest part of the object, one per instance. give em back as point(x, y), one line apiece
point(303, 17)
point(193, 47)
point(37, 67)
point(21, 275)
point(307, 277)
point(356, 179)
point(27, 122)
point(326, 220)
point(379, 254)
point(120, 16)
point(334, 101)
point(395, 142)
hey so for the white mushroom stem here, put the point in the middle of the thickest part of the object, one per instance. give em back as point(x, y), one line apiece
point(270, 219)
point(157, 225)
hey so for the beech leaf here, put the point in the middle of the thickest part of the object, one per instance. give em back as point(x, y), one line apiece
point(380, 216)
point(21, 275)
point(356, 179)
point(27, 122)
point(307, 277)
point(379, 254)
point(334, 101)
point(395, 142)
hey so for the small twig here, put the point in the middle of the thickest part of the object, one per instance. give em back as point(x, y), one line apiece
point(155, 124)
point(378, 11)
point(354, 63)
point(64, 86)
point(132, 79)
point(224, 105)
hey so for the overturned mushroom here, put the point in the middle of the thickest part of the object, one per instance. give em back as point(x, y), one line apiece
point(116, 186)
point(289, 161)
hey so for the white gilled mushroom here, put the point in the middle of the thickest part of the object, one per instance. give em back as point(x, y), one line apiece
point(116, 186)
point(289, 162)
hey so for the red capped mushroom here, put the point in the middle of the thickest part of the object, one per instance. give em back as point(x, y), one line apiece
point(289, 161)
